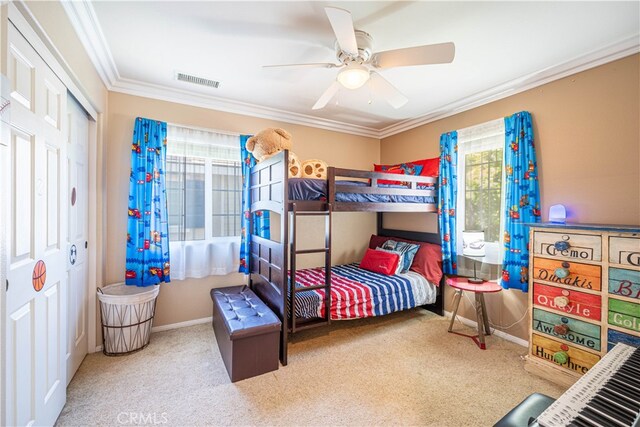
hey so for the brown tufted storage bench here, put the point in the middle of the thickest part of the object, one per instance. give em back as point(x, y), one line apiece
point(247, 331)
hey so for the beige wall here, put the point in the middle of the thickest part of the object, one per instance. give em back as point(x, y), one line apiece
point(189, 299)
point(587, 136)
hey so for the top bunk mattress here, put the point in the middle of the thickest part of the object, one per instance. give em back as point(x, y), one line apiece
point(316, 189)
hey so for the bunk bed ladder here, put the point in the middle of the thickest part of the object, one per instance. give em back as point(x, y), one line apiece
point(327, 268)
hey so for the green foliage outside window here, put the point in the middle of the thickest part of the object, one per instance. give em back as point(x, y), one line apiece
point(483, 185)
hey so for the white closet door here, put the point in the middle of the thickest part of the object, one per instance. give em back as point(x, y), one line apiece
point(36, 329)
point(78, 209)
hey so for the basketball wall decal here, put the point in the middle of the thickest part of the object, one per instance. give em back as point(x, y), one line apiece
point(39, 275)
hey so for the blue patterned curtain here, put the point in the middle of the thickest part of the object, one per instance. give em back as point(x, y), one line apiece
point(522, 199)
point(147, 227)
point(447, 193)
point(260, 218)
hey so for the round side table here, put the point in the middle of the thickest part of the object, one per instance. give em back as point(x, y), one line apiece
point(461, 284)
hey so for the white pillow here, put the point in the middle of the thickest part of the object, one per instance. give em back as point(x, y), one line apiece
point(400, 258)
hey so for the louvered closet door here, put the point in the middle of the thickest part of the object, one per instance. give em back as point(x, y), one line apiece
point(36, 300)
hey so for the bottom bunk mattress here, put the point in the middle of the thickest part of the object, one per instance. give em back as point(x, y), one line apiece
point(357, 293)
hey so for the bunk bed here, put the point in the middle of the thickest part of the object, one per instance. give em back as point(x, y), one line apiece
point(273, 273)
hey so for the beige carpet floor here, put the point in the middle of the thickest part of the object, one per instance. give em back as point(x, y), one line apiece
point(401, 369)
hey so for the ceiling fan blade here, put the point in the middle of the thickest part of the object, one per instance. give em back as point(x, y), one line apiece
point(342, 25)
point(326, 96)
point(393, 96)
point(441, 53)
point(310, 65)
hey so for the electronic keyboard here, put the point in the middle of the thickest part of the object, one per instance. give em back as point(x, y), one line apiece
point(607, 395)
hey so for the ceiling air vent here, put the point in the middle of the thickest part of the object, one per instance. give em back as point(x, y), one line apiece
point(197, 80)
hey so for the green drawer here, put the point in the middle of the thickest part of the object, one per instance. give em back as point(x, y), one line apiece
point(580, 333)
point(624, 314)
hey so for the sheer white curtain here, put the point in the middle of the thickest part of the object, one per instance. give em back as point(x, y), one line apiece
point(184, 141)
point(203, 197)
point(474, 139)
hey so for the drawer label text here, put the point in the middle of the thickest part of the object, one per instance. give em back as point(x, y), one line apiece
point(626, 289)
point(577, 308)
point(572, 252)
point(542, 353)
point(576, 280)
point(631, 258)
point(570, 336)
point(624, 321)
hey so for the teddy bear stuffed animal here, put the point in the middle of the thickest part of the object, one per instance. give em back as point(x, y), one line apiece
point(314, 168)
point(271, 141)
point(268, 142)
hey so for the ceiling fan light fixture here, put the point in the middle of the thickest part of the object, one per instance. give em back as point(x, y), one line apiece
point(353, 76)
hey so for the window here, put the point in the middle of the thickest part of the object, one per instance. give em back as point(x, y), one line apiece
point(226, 192)
point(204, 184)
point(480, 190)
point(185, 198)
point(483, 187)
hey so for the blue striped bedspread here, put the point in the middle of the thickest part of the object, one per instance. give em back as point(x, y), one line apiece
point(357, 293)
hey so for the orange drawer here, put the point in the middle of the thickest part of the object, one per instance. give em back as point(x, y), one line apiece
point(580, 275)
point(579, 303)
point(579, 361)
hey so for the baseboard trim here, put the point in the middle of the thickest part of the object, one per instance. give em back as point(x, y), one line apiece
point(170, 326)
point(181, 324)
point(495, 332)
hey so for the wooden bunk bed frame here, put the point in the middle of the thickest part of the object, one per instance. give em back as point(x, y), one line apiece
point(270, 260)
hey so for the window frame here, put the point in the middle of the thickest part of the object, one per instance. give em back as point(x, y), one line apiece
point(209, 163)
point(483, 137)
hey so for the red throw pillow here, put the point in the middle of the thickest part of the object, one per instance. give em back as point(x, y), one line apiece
point(430, 167)
point(427, 261)
point(380, 262)
point(424, 167)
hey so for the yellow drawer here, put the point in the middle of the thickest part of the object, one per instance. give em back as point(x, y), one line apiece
point(583, 276)
point(581, 247)
point(579, 361)
point(624, 251)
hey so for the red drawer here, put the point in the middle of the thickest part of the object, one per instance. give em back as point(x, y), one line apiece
point(580, 303)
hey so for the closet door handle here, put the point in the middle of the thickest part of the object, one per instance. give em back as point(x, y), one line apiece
point(7, 286)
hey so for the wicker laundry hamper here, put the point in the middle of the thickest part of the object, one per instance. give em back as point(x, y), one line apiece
point(127, 314)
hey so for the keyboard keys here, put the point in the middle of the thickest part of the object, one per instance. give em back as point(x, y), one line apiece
point(607, 396)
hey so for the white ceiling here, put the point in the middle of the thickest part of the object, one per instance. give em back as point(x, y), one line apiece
point(501, 47)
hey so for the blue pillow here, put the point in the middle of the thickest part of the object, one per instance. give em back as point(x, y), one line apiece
point(408, 250)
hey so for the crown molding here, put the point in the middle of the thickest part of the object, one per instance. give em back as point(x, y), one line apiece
point(84, 21)
point(86, 25)
point(164, 93)
point(621, 49)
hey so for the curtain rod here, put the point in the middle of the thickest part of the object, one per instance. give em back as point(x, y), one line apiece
point(224, 132)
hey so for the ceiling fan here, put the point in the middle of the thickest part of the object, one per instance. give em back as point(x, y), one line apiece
point(358, 63)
